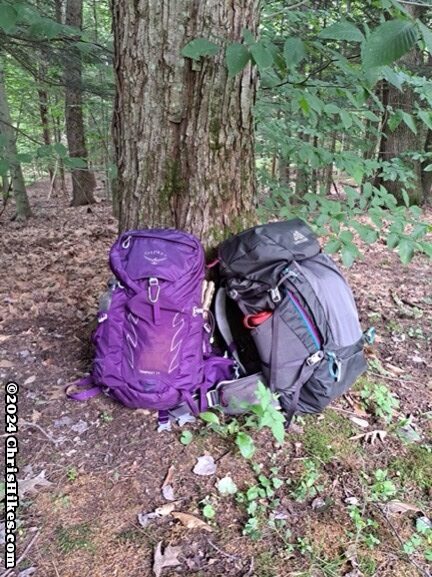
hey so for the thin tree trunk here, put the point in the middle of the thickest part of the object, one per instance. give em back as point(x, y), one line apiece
point(183, 130)
point(427, 176)
point(23, 210)
point(328, 171)
point(83, 180)
point(44, 115)
point(397, 143)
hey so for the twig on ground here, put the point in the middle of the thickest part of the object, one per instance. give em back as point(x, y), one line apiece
point(22, 557)
point(251, 568)
point(398, 537)
point(36, 426)
point(398, 379)
point(216, 548)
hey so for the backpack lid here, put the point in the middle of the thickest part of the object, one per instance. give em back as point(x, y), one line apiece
point(260, 249)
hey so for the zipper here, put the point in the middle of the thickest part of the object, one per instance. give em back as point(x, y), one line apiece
point(310, 327)
point(153, 297)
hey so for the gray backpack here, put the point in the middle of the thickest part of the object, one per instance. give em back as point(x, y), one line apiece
point(298, 312)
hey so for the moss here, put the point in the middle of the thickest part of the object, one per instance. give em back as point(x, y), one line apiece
point(328, 438)
point(214, 131)
point(414, 467)
point(74, 537)
point(174, 184)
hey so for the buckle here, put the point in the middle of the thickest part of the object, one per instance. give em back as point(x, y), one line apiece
point(335, 367)
point(315, 358)
point(212, 398)
point(275, 295)
point(369, 336)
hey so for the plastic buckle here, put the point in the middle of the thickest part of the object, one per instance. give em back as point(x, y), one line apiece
point(315, 358)
point(212, 398)
point(102, 318)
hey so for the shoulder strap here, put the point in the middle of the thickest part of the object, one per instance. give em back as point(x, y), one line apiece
point(224, 328)
point(83, 395)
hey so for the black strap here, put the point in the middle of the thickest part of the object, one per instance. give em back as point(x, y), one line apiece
point(290, 407)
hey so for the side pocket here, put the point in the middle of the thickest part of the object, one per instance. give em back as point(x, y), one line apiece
point(322, 388)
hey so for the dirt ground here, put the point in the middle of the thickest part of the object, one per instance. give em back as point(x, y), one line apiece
point(102, 464)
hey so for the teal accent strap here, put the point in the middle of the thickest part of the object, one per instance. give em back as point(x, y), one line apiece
point(369, 336)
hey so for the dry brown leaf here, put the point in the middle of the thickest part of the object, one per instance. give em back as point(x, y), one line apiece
point(394, 370)
point(4, 338)
point(35, 416)
point(168, 558)
point(165, 509)
point(371, 436)
point(190, 521)
point(30, 380)
point(394, 507)
point(5, 364)
point(169, 476)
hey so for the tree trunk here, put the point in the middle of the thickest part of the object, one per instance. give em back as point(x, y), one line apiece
point(44, 115)
point(402, 140)
point(83, 181)
point(328, 170)
point(23, 210)
point(427, 176)
point(183, 130)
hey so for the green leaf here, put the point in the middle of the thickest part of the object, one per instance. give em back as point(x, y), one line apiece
point(346, 119)
point(24, 157)
point(75, 162)
point(393, 240)
point(388, 42)
point(209, 511)
point(405, 197)
point(246, 445)
point(349, 253)
point(428, 168)
point(426, 35)
point(409, 121)
point(346, 236)
point(199, 47)
point(210, 417)
point(342, 30)
point(333, 246)
point(226, 486)
point(236, 56)
point(278, 431)
point(426, 117)
point(248, 37)
point(406, 250)
point(366, 233)
point(294, 51)
point(186, 438)
point(8, 17)
point(393, 77)
point(331, 109)
point(394, 121)
point(60, 149)
point(261, 55)
point(371, 116)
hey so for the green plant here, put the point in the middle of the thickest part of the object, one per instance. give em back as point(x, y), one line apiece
point(383, 488)
point(186, 438)
point(306, 487)
point(414, 466)
point(263, 415)
point(72, 474)
point(380, 400)
point(105, 417)
point(364, 526)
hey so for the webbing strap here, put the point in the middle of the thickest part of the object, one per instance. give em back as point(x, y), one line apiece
point(224, 328)
point(83, 395)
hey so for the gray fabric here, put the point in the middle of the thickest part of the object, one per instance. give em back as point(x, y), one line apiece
point(234, 395)
point(224, 327)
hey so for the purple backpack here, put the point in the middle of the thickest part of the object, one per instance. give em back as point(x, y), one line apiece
point(153, 340)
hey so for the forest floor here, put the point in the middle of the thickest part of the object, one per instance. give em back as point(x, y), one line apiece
point(348, 493)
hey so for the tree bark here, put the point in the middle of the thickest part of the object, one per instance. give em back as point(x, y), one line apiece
point(23, 210)
point(402, 140)
point(83, 180)
point(183, 130)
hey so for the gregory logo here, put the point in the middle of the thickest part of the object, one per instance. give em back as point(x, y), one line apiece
point(299, 237)
point(155, 256)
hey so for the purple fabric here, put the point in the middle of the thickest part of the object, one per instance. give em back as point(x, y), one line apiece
point(151, 349)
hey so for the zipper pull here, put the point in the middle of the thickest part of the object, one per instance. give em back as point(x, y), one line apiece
point(153, 296)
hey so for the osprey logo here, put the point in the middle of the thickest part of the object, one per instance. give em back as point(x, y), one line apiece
point(155, 256)
point(299, 237)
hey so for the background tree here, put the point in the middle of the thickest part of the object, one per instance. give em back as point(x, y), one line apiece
point(183, 127)
point(83, 180)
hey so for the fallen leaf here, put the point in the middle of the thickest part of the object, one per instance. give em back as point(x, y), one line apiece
point(205, 466)
point(168, 492)
point(395, 370)
point(351, 501)
point(318, 504)
point(190, 521)
point(165, 510)
point(30, 380)
point(27, 572)
point(168, 558)
point(5, 364)
point(394, 507)
point(30, 485)
point(169, 476)
point(80, 427)
point(35, 416)
point(145, 518)
point(4, 338)
point(360, 422)
point(371, 436)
